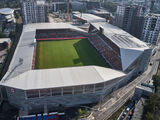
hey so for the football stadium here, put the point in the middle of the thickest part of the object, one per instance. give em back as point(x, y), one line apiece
point(58, 64)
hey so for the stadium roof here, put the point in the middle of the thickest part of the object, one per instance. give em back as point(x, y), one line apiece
point(62, 77)
point(23, 56)
point(89, 17)
point(120, 37)
point(130, 47)
point(6, 11)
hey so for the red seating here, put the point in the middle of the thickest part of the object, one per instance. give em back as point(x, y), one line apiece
point(65, 33)
point(108, 51)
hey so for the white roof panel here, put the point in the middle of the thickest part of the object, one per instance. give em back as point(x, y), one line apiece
point(62, 77)
point(128, 56)
point(119, 36)
point(5, 40)
point(90, 17)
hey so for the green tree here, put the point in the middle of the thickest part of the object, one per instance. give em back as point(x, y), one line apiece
point(149, 116)
point(110, 6)
point(12, 35)
point(156, 81)
point(2, 35)
point(80, 112)
point(17, 15)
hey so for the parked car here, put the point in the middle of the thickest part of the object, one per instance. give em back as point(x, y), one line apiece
point(127, 109)
point(131, 105)
point(130, 113)
point(128, 118)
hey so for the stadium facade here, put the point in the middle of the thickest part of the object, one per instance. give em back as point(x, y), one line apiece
point(44, 89)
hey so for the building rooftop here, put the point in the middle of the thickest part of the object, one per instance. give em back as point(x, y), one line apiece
point(6, 11)
point(5, 40)
point(40, 2)
point(62, 77)
point(153, 15)
point(146, 87)
point(89, 17)
point(98, 11)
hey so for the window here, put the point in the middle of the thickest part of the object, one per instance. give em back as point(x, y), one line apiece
point(99, 87)
point(45, 92)
point(67, 91)
point(89, 88)
point(78, 90)
point(56, 91)
point(32, 93)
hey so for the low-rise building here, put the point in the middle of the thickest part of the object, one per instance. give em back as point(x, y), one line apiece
point(7, 15)
point(34, 11)
point(7, 40)
point(144, 89)
point(5, 44)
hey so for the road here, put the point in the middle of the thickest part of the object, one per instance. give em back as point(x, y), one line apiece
point(116, 99)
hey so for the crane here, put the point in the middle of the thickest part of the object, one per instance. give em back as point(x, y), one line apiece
point(68, 9)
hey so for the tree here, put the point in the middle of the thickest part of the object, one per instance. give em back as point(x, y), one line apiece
point(149, 116)
point(152, 108)
point(156, 81)
point(2, 35)
point(80, 112)
point(110, 6)
point(17, 15)
point(12, 34)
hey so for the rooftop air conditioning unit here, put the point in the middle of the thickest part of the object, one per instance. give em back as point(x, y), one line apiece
point(101, 30)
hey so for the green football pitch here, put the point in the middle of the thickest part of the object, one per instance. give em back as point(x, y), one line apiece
point(67, 53)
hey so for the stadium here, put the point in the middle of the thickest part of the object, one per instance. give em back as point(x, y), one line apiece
point(58, 64)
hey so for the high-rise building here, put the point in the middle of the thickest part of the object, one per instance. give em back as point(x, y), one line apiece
point(136, 26)
point(130, 18)
point(151, 28)
point(119, 16)
point(34, 11)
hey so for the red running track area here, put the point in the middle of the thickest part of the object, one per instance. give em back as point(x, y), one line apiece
point(67, 38)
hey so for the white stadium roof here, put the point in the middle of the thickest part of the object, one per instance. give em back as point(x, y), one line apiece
point(130, 47)
point(120, 37)
point(90, 17)
point(62, 77)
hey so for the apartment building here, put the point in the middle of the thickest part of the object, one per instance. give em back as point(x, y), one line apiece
point(130, 18)
point(34, 11)
point(151, 28)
